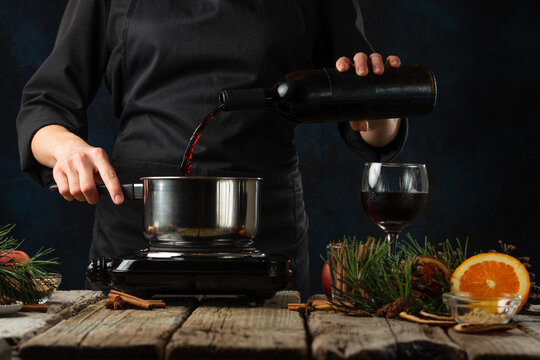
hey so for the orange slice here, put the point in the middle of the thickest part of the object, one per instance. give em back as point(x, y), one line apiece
point(492, 274)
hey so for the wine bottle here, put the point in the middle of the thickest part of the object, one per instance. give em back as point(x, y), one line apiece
point(327, 95)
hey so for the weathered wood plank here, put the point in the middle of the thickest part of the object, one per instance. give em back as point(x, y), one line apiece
point(339, 336)
point(530, 325)
point(62, 305)
point(416, 341)
point(228, 328)
point(98, 332)
point(513, 344)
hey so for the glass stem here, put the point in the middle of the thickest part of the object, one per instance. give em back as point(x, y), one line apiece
point(392, 238)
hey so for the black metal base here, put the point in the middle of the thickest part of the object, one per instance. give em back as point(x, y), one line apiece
point(146, 273)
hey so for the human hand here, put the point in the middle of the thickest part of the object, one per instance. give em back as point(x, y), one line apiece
point(76, 165)
point(362, 63)
point(77, 170)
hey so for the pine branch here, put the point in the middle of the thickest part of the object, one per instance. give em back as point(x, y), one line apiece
point(26, 281)
point(370, 280)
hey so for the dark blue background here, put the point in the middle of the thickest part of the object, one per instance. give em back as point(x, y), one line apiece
point(479, 144)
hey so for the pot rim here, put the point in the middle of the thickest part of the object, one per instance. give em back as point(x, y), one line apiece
point(200, 178)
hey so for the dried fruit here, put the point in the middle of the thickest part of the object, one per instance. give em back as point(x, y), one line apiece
point(431, 273)
point(492, 274)
point(427, 321)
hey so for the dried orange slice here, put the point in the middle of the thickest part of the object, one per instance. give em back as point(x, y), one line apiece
point(492, 274)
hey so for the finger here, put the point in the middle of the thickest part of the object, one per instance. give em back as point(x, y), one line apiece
point(359, 125)
point(393, 61)
point(62, 182)
point(377, 64)
point(361, 63)
point(108, 175)
point(85, 168)
point(88, 185)
point(343, 64)
point(73, 183)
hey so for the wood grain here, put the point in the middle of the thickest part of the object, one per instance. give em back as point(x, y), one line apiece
point(512, 344)
point(530, 325)
point(62, 305)
point(416, 341)
point(228, 328)
point(339, 336)
point(98, 332)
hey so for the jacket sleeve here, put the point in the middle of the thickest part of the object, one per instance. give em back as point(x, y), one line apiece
point(341, 33)
point(61, 89)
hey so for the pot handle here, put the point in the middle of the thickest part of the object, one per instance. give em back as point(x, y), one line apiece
point(130, 191)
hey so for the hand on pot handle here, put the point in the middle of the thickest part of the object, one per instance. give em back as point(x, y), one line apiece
point(77, 166)
point(130, 191)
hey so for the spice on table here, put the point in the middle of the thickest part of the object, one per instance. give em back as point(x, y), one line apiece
point(393, 309)
point(436, 315)
point(310, 306)
point(34, 308)
point(481, 316)
point(478, 328)
point(427, 321)
point(7, 301)
point(118, 300)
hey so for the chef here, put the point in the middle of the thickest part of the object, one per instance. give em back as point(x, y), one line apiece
point(164, 63)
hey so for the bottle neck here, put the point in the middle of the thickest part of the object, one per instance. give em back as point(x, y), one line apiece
point(247, 99)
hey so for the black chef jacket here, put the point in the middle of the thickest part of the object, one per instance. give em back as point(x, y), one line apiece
point(164, 63)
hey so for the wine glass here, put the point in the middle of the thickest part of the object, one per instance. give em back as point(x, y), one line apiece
point(394, 195)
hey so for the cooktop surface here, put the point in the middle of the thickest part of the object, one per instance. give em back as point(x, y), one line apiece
point(146, 273)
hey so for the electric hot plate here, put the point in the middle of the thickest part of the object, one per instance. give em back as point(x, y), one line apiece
point(149, 272)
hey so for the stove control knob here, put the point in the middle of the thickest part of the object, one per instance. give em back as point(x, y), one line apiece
point(97, 271)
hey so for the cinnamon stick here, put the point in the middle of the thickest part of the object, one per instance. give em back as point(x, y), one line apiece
point(362, 252)
point(341, 270)
point(321, 304)
point(136, 301)
point(115, 302)
point(34, 307)
point(157, 304)
point(295, 306)
point(132, 300)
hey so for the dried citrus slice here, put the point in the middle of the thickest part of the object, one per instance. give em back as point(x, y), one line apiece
point(492, 274)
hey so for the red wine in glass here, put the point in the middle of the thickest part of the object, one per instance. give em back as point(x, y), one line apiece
point(187, 160)
point(394, 211)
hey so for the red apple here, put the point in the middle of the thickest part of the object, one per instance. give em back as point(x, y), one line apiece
point(16, 255)
point(326, 281)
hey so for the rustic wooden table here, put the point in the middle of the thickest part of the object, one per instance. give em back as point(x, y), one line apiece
point(78, 326)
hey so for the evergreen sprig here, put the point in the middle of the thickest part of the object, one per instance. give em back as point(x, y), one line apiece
point(376, 277)
point(27, 281)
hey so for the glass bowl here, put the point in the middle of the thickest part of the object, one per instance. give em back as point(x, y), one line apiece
point(49, 285)
point(467, 308)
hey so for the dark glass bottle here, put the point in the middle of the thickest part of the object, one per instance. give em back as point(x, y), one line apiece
point(327, 95)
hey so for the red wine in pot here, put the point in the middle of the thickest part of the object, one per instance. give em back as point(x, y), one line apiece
point(187, 160)
point(394, 211)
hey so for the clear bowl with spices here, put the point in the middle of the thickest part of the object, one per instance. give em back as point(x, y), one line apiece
point(49, 285)
point(472, 309)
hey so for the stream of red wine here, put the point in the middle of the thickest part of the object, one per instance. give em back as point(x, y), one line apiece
point(187, 160)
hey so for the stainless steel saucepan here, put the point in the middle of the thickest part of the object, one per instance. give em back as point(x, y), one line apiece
point(197, 212)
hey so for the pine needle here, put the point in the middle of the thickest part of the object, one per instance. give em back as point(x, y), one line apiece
point(27, 281)
point(370, 282)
